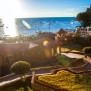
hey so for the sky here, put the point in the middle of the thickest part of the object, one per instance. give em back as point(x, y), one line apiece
point(42, 8)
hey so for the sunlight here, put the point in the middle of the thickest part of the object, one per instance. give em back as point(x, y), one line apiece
point(9, 27)
point(12, 9)
point(9, 10)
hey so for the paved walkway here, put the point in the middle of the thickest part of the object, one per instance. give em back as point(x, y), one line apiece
point(73, 55)
point(12, 77)
point(88, 59)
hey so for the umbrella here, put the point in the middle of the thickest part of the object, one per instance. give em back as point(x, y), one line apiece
point(26, 24)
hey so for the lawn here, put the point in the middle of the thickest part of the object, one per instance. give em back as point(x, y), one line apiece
point(67, 80)
point(64, 60)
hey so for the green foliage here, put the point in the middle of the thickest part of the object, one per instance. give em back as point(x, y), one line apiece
point(84, 18)
point(64, 60)
point(87, 50)
point(65, 79)
point(20, 67)
point(22, 89)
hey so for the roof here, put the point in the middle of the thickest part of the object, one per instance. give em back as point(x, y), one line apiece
point(61, 31)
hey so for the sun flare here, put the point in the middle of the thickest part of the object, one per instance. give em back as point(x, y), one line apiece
point(12, 9)
point(9, 10)
point(9, 27)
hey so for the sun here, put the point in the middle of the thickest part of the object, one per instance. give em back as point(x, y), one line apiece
point(12, 9)
point(9, 10)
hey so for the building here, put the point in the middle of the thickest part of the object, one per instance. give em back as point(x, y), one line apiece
point(84, 30)
point(60, 35)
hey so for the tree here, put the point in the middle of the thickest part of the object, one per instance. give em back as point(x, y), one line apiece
point(84, 18)
point(20, 68)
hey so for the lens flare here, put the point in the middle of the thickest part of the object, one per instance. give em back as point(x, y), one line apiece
point(45, 43)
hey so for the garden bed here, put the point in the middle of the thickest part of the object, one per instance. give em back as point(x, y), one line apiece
point(67, 80)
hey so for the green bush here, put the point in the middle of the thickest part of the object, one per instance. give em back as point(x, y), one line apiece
point(20, 67)
point(87, 50)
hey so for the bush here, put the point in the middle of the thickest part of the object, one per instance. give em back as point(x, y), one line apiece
point(20, 67)
point(66, 80)
point(87, 50)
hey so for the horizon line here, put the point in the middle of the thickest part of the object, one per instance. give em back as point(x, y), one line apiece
point(47, 17)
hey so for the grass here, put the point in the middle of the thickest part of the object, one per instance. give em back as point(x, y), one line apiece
point(67, 80)
point(64, 60)
point(72, 47)
point(22, 89)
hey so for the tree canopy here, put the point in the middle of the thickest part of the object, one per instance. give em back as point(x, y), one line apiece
point(84, 17)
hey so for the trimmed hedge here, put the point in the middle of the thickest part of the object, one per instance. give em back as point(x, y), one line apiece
point(20, 67)
point(87, 50)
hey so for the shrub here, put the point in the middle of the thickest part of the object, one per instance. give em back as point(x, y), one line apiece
point(87, 50)
point(66, 80)
point(20, 67)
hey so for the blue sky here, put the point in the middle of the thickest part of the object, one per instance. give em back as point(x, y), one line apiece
point(51, 8)
point(42, 8)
